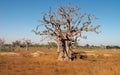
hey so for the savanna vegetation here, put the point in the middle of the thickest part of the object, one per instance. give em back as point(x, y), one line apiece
point(42, 61)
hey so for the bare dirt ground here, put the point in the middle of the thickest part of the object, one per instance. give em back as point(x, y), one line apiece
point(43, 61)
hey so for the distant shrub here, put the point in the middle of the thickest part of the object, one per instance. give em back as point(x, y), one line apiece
point(87, 46)
point(16, 43)
point(112, 47)
point(7, 47)
point(38, 45)
point(2, 41)
point(51, 45)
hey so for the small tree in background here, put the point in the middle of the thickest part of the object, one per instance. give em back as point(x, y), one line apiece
point(27, 43)
point(65, 26)
point(16, 43)
point(2, 41)
point(5, 47)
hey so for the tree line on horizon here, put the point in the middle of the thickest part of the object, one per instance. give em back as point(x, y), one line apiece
point(17, 43)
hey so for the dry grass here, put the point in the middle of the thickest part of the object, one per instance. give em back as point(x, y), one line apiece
point(99, 62)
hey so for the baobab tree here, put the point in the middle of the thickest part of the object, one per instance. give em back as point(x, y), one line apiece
point(65, 26)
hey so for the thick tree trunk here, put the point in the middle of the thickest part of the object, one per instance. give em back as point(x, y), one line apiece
point(58, 47)
point(64, 53)
point(63, 56)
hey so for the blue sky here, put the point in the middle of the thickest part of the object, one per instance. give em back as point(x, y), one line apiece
point(19, 17)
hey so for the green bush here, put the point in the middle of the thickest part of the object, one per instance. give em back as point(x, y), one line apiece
point(7, 47)
point(16, 43)
point(112, 47)
point(51, 45)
